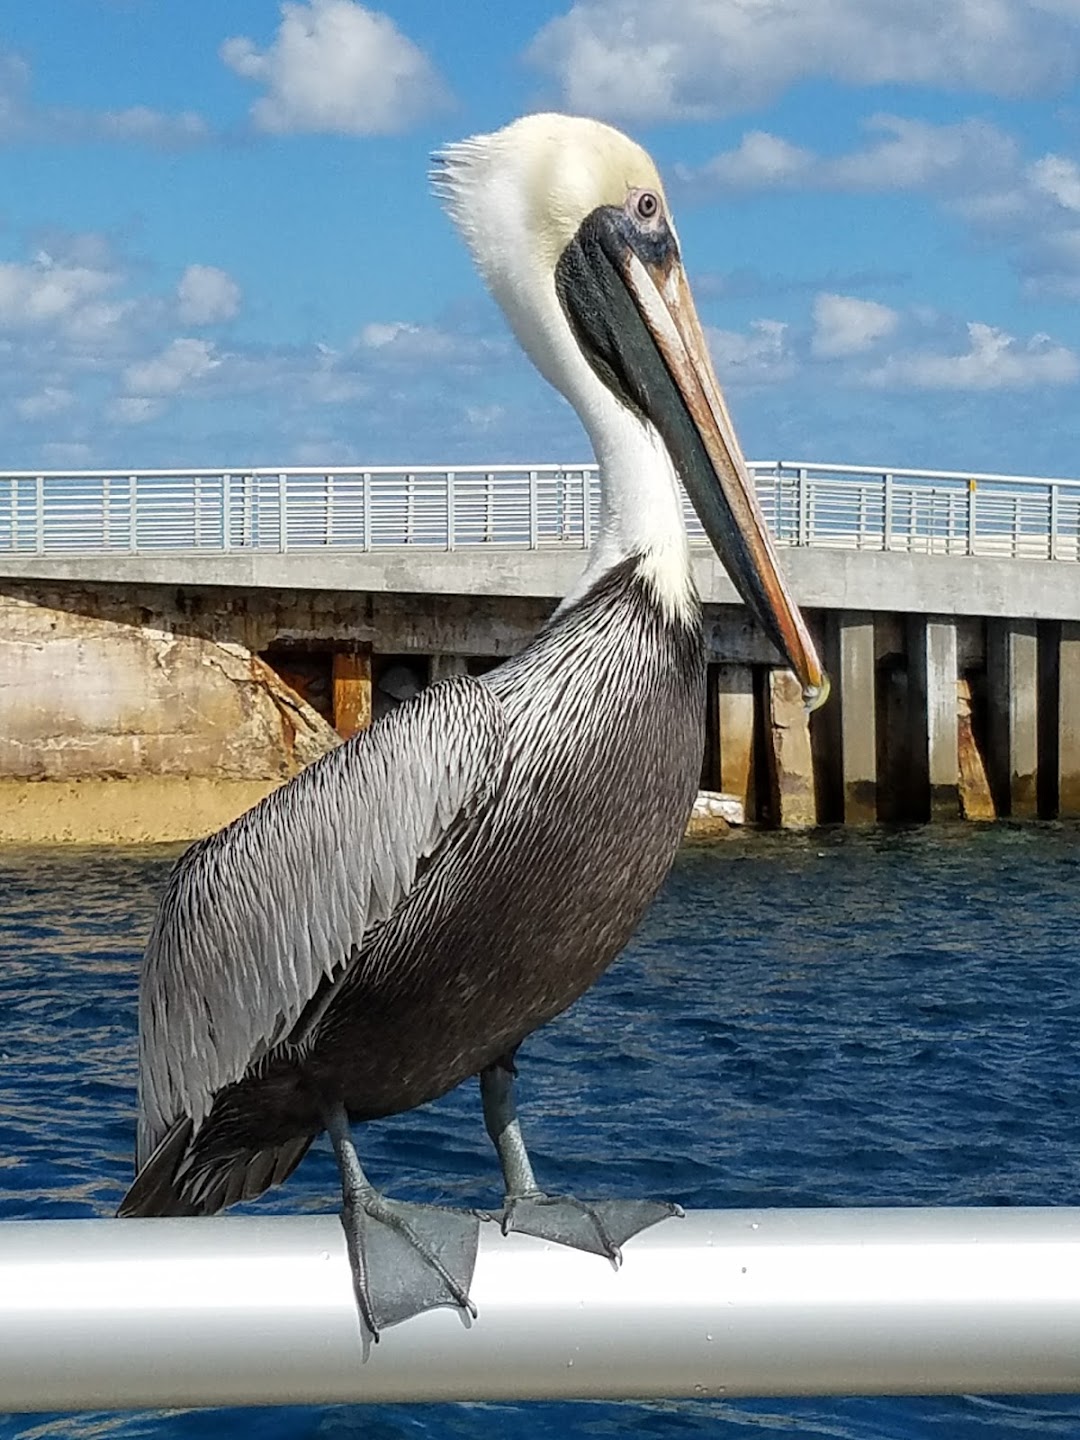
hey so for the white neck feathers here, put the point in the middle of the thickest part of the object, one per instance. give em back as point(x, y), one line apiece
point(640, 505)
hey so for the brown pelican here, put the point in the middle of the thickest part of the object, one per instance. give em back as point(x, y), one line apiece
point(403, 913)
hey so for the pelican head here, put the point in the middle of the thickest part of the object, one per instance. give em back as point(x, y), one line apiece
point(569, 226)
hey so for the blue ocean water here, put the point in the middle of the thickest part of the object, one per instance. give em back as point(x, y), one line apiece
point(836, 1019)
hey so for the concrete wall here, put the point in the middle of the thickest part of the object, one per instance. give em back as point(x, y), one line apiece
point(101, 685)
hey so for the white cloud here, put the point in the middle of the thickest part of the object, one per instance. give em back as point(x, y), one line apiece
point(974, 170)
point(993, 360)
point(22, 119)
point(760, 356)
point(51, 400)
point(845, 325)
point(206, 295)
point(49, 292)
point(336, 67)
point(180, 364)
point(134, 409)
point(699, 58)
point(402, 341)
point(910, 155)
point(1059, 178)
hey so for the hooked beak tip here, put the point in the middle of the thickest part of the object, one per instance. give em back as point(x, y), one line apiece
point(814, 696)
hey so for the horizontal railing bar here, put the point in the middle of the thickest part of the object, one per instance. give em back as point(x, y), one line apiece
point(271, 472)
point(103, 1314)
point(815, 467)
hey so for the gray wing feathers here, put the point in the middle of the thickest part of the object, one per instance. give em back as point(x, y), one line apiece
point(257, 915)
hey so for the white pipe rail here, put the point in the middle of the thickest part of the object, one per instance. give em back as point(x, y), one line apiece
point(102, 1314)
point(519, 506)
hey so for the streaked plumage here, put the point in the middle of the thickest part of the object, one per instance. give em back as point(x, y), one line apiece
point(337, 957)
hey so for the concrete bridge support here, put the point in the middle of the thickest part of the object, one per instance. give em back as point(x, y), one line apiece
point(1068, 719)
point(793, 801)
point(1012, 669)
point(933, 674)
point(735, 731)
point(853, 659)
point(352, 690)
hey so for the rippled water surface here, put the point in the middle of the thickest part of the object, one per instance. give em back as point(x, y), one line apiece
point(841, 1019)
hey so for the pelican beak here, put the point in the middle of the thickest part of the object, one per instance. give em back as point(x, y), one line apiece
point(624, 291)
point(719, 481)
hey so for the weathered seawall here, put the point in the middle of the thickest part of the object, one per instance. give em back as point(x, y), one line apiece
point(158, 713)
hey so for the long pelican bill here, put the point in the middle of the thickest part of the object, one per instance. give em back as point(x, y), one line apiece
point(725, 499)
point(624, 290)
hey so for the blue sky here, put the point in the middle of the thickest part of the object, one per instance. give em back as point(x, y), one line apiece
point(217, 245)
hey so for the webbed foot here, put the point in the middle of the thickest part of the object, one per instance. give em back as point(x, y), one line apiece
point(600, 1226)
point(407, 1258)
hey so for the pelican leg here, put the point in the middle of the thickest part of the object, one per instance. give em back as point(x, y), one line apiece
point(599, 1226)
point(405, 1258)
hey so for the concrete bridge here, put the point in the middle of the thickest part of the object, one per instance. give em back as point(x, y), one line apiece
point(948, 605)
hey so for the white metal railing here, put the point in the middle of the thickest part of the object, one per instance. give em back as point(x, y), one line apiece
point(521, 506)
point(258, 1310)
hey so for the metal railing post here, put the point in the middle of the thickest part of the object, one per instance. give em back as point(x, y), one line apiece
point(804, 507)
point(973, 491)
point(451, 511)
point(39, 514)
point(366, 502)
point(133, 513)
point(283, 512)
point(887, 517)
point(1055, 519)
point(226, 512)
point(534, 512)
point(586, 508)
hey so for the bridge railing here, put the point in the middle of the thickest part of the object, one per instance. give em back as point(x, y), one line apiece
point(530, 506)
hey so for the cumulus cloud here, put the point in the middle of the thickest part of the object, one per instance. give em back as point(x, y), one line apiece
point(180, 364)
point(993, 360)
point(49, 401)
point(905, 155)
point(401, 341)
point(845, 325)
point(336, 67)
point(972, 169)
point(22, 119)
point(206, 295)
point(53, 293)
point(691, 59)
point(761, 355)
point(134, 409)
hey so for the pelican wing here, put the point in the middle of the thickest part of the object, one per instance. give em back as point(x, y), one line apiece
point(258, 915)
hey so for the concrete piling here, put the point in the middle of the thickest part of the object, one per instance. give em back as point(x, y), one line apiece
point(856, 703)
point(932, 670)
point(735, 731)
point(1068, 720)
point(1012, 668)
point(793, 801)
point(352, 691)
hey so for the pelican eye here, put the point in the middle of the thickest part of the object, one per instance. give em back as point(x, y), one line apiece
point(647, 205)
